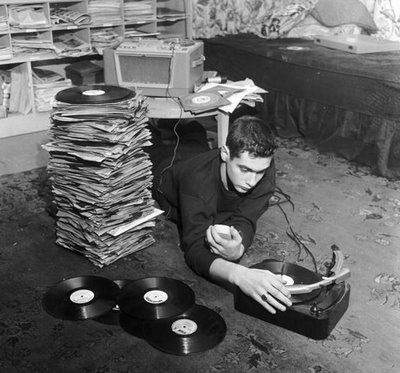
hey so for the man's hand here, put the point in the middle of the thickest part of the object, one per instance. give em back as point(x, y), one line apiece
point(263, 286)
point(228, 248)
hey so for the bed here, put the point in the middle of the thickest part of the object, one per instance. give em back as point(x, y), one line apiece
point(341, 102)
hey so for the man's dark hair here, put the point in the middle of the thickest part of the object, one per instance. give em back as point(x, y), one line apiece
point(251, 134)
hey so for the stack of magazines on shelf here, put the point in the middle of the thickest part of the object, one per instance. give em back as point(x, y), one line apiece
point(105, 38)
point(139, 11)
point(101, 175)
point(32, 44)
point(46, 84)
point(28, 16)
point(5, 52)
point(3, 22)
point(105, 11)
point(20, 97)
point(70, 45)
point(66, 17)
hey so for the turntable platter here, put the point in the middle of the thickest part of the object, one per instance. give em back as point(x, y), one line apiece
point(293, 272)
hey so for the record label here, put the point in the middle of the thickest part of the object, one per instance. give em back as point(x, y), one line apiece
point(196, 330)
point(201, 100)
point(288, 280)
point(155, 296)
point(184, 327)
point(93, 92)
point(81, 296)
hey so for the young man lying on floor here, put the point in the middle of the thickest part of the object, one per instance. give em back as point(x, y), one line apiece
point(230, 186)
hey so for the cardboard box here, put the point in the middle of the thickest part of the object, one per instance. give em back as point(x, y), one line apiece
point(84, 73)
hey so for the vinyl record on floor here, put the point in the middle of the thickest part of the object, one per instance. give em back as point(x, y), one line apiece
point(94, 94)
point(112, 316)
point(296, 274)
point(154, 298)
point(131, 325)
point(198, 329)
point(79, 298)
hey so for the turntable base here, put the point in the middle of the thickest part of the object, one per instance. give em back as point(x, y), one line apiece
point(313, 316)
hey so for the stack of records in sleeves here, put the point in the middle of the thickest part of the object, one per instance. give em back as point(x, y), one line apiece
point(100, 171)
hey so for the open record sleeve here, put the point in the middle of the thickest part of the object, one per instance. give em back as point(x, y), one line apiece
point(135, 223)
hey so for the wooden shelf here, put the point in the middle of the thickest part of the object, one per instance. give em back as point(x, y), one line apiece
point(15, 123)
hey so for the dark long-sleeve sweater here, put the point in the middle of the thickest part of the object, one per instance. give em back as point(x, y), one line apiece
point(193, 192)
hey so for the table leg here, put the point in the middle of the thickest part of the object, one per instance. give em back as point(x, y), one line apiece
point(223, 127)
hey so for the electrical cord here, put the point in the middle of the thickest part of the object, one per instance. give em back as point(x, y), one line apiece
point(290, 231)
point(176, 100)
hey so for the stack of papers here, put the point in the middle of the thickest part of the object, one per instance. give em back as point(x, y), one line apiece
point(3, 22)
point(67, 17)
point(101, 178)
point(33, 44)
point(28, 16)
point(70, 45)
point(105, 11)
point(5, 52)
point(46, 85)
point(105, 38)
point(20, 98)
point(139, 11)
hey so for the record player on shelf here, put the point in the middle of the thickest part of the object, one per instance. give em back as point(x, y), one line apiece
point(318, 302)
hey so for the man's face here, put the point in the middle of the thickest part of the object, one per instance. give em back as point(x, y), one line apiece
point(246, 171)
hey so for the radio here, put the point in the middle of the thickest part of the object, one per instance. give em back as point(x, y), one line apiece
point(156, 67)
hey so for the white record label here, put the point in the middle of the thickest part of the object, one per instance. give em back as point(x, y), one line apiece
point(93, 92)
point(81, 296)
point(184, 327)
point(287, 279)
point(200, 100)
point(155, 296)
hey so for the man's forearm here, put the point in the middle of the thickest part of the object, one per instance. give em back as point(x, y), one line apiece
point(223, 270)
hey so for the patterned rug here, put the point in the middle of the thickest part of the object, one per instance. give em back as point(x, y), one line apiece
point(335, 203)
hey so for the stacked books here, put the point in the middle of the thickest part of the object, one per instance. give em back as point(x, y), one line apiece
point(101, 174)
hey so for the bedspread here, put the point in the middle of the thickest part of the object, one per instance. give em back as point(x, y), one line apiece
point(342, 102)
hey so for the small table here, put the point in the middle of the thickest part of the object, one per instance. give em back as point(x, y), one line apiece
point(169, 108)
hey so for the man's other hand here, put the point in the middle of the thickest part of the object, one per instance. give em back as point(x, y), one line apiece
point(228, 248)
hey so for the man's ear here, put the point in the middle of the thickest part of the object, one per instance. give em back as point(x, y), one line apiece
point(225, 153)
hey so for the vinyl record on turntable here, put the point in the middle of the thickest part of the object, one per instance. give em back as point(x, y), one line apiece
point(80, 298)
point(154, 298)
point(198, 329)
point(295, 274)
point(94, 94)
point(312, 314)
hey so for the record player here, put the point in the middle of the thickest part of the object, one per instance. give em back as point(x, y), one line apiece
point(318, 302)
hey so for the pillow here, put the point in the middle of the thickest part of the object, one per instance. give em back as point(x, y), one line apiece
point(310, 27)
point(333, 13)
point(283, 18)
point(387, 18)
